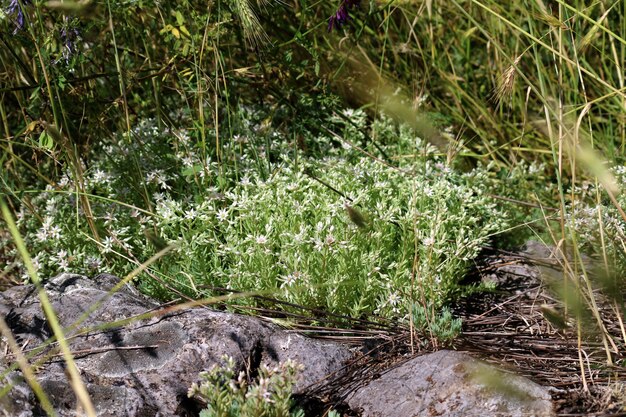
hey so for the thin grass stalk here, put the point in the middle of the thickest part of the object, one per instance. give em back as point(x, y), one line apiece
point(75, 380)
point(550, 49)
point(581, 362)
point(200, 96)
point(118, 65)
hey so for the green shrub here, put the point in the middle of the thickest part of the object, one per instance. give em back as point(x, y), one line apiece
point(342, 232)
point(230, 395)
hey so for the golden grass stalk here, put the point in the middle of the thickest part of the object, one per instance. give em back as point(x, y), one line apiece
point(506, 82)
point(252, 29)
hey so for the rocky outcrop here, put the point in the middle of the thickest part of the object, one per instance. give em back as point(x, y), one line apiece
point(146, 366)
point(138, 358)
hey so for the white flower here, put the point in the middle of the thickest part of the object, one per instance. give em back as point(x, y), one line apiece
point(222, 215)
point(107, 244)
point(100, 176)
point(55, 232)
point(191, 214)
point(42, 235)
point(261, 240)
point(394, 299)
point(290, 279)
point(429, 241)
point(93, 262)
point(187, 161)
point(65, 180)
point(62, 259)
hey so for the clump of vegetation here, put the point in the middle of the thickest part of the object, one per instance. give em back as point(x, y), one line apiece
point(442, 328)
point(344, 232)
point(230, 395)
point(228, 129)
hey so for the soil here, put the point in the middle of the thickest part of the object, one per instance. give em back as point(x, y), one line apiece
point(522, 326)
point(519, 325)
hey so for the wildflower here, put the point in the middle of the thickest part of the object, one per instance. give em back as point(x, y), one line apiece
point(261, 240)
point(107, 244)
point(15, 8)
point(394, 299)
point(62, 258)
point(100, 176)
point(191, 214)
point(187, 161)
point(429, 241)
point(69, 36)
point(342, 15)
point(290, 279)
point(222, 215)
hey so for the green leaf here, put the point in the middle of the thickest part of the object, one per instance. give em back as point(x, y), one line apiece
point(46, 141)
point(179, 18)
point(193, 170)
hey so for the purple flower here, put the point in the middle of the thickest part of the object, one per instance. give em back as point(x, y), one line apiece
point(342, 15)
point(15, 8)
point(69, 36)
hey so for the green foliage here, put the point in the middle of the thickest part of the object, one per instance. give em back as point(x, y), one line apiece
point(230, 395)
point(130, 125)
point(442, 327)
point(344, 232)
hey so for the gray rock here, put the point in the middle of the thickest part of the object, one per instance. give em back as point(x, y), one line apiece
point(448, 383)
point(145, 367)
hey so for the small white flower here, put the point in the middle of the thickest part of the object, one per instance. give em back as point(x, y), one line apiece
point(187, 161)
point(65, 180)
point(191, 214)
point(100, 176)
point(261, 240)
point(42, 235)
point(290, 279)
point(93, 262)
point(51, 206)
point(429, 241)
point(222, 215)
point(55, 232)
point(37, 262)
point(62, 259)
point(394, 299)
point(107, 244)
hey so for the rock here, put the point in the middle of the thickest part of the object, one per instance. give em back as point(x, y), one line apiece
point(145, 367)
point(448, 383)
